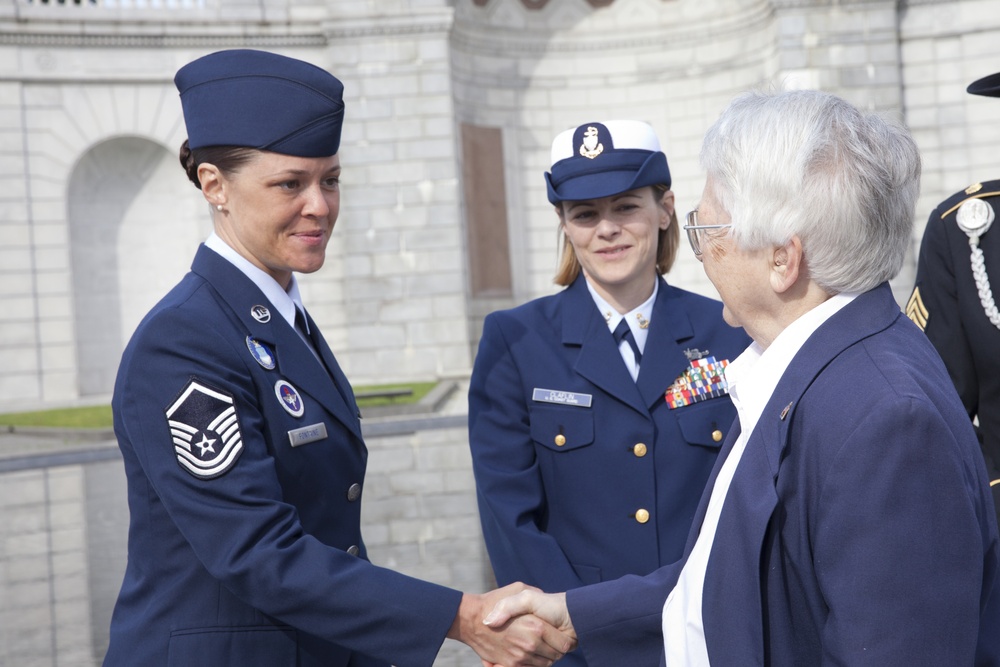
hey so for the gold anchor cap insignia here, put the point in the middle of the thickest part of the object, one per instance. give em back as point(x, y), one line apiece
point(591, 146)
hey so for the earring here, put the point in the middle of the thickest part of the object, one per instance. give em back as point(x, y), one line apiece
point(219, 207)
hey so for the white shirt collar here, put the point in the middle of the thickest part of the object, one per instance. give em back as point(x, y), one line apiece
point(754, 374)
point(637, 320)
point(644, 313)
point(284, 302)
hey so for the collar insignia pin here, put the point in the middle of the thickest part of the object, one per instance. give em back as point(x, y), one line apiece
point(261, 314)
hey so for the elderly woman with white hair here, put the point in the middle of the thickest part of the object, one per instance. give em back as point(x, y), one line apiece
point(849, 519)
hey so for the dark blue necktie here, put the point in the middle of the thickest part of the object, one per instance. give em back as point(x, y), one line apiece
point(314, 339)
point(622, 332)
point(304, 331)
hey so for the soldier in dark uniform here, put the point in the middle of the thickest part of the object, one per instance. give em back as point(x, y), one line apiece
point(239, 432)
point(953, 301)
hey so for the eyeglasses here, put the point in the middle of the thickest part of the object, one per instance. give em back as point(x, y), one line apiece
point(693, 230)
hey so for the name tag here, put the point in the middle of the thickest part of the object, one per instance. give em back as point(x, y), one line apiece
point(307, 434)
point(561, 397)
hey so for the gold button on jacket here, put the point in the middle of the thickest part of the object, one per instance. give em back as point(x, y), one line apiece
point(642, 516)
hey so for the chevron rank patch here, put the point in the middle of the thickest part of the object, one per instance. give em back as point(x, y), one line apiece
point(916, 310)
point(205, 430)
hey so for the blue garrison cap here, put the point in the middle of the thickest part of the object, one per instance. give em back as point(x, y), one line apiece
point(988, 86)
point(261, 100)
point(602, 159)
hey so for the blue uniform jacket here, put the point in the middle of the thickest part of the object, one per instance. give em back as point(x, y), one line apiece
point(858, 529)
point(242, 546)
point(562, 477)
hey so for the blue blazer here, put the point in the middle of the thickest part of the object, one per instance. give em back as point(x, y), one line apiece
point(858, 528)
point(558, 477)
point(245, 464)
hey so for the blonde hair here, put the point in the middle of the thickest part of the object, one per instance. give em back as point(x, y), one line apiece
point(667, 241)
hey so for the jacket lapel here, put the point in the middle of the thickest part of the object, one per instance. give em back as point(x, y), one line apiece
point(295, 361)
point(706, 494)
point(339, 379)
point(870, 313)
point(663, 359)
point(732, 603)
point(599, 360)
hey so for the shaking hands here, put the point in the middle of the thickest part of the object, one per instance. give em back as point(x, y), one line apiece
point(515, 626)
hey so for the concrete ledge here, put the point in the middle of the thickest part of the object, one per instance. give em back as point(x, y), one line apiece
point(49, 432)
point(429, 404)
point(29, 448)
point(56, 459)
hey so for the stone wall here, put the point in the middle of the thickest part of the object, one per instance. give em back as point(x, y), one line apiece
point(97, 221)
point(100, 220)
point(64, 523)
point(44, 593)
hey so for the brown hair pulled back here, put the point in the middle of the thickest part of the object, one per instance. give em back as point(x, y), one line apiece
point(228, 159)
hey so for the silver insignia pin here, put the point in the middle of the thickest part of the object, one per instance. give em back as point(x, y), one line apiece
point(261, 314)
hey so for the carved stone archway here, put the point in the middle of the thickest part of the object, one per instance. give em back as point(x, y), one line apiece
point(133, 228)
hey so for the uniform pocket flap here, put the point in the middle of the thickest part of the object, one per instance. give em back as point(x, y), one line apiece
point(562, 428)
point(707, 423)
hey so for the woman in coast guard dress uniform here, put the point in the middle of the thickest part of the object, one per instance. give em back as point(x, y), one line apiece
point(596, 414)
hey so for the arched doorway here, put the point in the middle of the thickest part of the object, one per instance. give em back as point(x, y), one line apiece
point(135, 222)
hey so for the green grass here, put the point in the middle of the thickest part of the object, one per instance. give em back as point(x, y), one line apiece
point(99, 416)
point(96, 416)
point(419, 390)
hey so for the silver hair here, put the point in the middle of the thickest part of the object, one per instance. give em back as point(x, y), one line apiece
point(809, 163)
